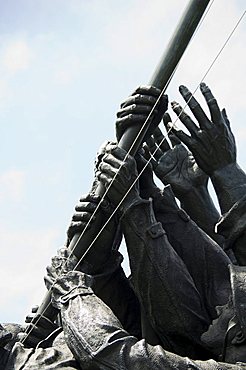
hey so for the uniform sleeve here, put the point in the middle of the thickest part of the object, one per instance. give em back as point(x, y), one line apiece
point(98, 341)
point(233, 226)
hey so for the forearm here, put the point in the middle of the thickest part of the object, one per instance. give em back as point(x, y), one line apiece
point(100, 253)
point(230, 185)
point(114, 289)
point(205, 260)
point(197, 203)
point(200, 207)
point(97, 340)
point(155, 270)
point(233, 226)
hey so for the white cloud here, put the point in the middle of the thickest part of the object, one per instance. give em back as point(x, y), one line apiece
point(12, 185)
point(17, 56)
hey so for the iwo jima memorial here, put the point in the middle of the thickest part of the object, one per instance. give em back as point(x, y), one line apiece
point(184, 305)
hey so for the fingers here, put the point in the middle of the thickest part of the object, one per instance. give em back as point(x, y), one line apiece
point(167, 119)
point(30, 318)
point(135, 109)
point(34, 309)
point(139, 99)
point(82, 217)
point(185, 119)
point(85, 207)
point(149, 157)
point(40, 324)
point(186, 139)
point(107, 169)
point(116, 165)
point(37, 330)
point(105, 180)
point(168, 125)
point(110, 166)
point(161, 140)
point(138, 107)
point(154, 149)
point(129, 121)
point(157, 115)
point(225, 117)
point(77, 227)
point(90, 198)
point(112, 161)
point(118, 157)
point(211, 102)
point(195, 107)
point(147, 90)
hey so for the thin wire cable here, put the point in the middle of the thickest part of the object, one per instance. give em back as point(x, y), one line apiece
point(147, 163)
point(220, 51)
point(165, 136)
point(101, 200)
point(139, 133)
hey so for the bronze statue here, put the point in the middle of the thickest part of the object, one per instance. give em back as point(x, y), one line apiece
point(184, 305)
point(180, 278)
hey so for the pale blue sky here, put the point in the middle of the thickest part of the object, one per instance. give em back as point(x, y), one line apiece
point(65, 66)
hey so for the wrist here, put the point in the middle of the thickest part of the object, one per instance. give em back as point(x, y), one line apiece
point(230, 185)
point(164, 201)
point(200, 207)
point(139, 214)
point(195, 201)
point(69, 286)
point(150, 191)
point(130, 201)
point(194, 192)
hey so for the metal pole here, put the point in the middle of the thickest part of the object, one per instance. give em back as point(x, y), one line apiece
point(168, 62)
point(172, 55)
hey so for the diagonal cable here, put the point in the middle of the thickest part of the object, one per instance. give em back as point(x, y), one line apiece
point(127, 154)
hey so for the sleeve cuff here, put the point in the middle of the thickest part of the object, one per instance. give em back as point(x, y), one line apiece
point(69, 286)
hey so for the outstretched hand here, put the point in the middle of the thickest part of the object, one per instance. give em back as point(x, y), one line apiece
point(137, 107)
point(211, 141)
point(174, 165)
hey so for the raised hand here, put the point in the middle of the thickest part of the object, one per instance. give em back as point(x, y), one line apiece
point(178, 167)
point(118, 173)
point(211, 141)
point(137, 107)
point(60, 265)
point(39, 328)
point(83, 216)
point(175, 166)
point(86, 215)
